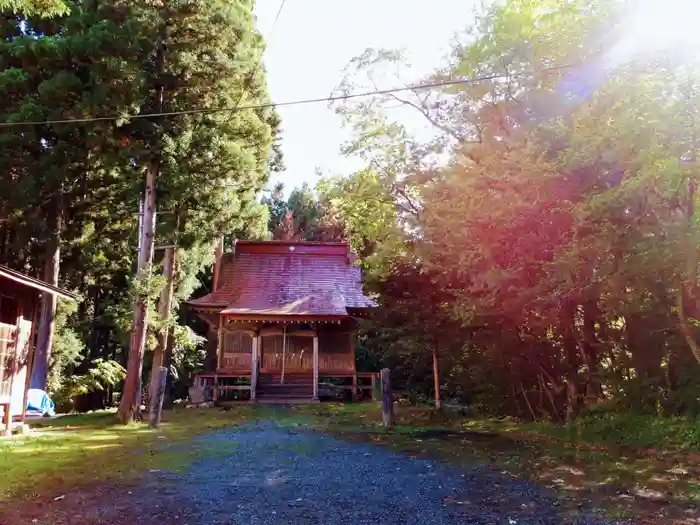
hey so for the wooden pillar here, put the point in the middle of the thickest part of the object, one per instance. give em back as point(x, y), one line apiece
point(284, 351)
point(254, 367)
point(315, 395)
point(30, 360)
point(355, 393)
point(436, 377)
point(219, 359)
point(387, 398)
point(7, 418)
point(220, 345)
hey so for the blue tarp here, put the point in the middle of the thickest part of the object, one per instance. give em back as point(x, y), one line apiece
point(39, 401)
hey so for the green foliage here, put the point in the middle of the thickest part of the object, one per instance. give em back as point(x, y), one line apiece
point(549, 217)
point(629, 429)
point(68, 349)
point(78, 185)
point(188, 357)
point(304, 216)
point(43, 8)
point(100, 376)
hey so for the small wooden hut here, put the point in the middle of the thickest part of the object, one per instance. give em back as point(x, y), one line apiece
point(282, 315)
point(19, 300)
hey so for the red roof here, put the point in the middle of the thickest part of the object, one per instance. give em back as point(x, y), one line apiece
point(288, 278)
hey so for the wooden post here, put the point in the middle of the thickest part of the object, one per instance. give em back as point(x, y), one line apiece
point(436, 377)
point(220, 345)
point(315, 393)
point(157, 403)
point(284, 351)
point(355, 395)
point(7, 418)
point(374, 387)
point(254, 367)
point(387, 398)
point(30, 361)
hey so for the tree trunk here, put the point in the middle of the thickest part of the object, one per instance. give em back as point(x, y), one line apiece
point(129, 407)
point(168, 398)
point(690, 280)
point(568, 330)
point(52, 262)
point(164, 305)
point(436, 376)
point(590, 352)
point(684, 324)
point(646, 348)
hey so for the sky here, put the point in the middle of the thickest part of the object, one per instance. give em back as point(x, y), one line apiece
point(312, 43)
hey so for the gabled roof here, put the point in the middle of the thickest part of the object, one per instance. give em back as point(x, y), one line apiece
point(37, 284)
point(288, 278)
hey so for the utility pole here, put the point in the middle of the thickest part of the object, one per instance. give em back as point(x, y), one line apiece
point(129, 407)
point(159, 373)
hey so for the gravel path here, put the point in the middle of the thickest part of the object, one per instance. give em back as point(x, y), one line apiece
point(261, 473)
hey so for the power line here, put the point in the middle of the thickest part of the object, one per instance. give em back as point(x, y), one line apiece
point(244, 91)
point(198, 111)
point(277, 17)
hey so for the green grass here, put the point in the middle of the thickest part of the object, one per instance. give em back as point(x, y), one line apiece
point(676, 433)
point(597, 458)
point(73, 451)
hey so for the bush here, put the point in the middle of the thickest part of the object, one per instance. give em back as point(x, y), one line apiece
point(67, 349)
point(102, 375)
point(642, 430)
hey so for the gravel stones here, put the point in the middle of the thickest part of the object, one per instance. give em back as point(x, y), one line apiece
point(262, 473)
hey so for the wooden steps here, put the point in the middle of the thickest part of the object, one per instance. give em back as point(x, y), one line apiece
point(294, 388)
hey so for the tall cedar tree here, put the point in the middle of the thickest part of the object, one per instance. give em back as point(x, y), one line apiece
point(99, 60)
point(209, 167)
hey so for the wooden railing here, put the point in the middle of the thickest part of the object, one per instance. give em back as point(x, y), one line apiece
point(304, 362)
point(328, 363)
point(297, 362)
point(236, 362)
